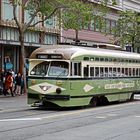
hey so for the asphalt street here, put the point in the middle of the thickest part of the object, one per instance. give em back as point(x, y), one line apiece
point(18, 121)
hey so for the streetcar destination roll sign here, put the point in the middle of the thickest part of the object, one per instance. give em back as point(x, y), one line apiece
point(49, 56)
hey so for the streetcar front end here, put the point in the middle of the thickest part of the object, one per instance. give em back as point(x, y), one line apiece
point(47, 82)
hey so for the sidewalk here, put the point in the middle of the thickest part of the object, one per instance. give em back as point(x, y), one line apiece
point(14, 103)
point(9, 95)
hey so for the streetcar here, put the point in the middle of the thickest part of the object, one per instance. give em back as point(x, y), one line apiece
point(71, 76)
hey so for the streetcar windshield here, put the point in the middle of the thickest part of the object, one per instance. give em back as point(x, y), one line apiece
point(54, 68)
point(40, 69)
point(58, 69)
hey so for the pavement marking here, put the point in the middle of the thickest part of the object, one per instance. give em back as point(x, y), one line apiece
point(137, 116)
point(51, 116)
point(20, 119)
point(101, 117)
point(5, 110)
point(112, 115)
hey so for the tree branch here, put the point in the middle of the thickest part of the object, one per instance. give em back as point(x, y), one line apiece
point(31, 20)
point(47, 17)
point(15, 16)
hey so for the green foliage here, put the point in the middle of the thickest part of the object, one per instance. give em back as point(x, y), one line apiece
point(128, 28)
point(80, 14)
point(76, 15)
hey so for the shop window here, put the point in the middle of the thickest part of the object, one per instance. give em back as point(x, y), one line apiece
point(9, 57)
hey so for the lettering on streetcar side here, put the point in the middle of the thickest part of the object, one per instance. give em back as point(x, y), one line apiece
point(119, 85)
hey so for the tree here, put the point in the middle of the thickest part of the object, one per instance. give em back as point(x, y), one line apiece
point(45, 8)
point(76, 16)
point(80, 13)
point(127, 29)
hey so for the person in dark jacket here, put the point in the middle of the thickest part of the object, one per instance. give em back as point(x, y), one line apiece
point(18, 84)
point(22, 85)
point(2, 76)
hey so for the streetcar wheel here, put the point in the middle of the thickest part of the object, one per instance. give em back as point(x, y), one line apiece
point(94, 102)
point(104, 100)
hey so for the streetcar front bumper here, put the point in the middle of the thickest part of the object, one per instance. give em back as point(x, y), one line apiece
point(57, 97)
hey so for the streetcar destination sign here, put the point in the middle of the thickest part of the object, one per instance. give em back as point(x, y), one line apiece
point(49, 56)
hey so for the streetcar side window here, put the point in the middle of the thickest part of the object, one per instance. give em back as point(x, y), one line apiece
point(86, 58)
point(97, 72)
point(58, 68)
point(92, 71)
point(75, 69)
point(126, 72)
point(86, 71)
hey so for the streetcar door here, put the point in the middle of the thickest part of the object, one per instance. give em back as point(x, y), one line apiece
point(75, 69)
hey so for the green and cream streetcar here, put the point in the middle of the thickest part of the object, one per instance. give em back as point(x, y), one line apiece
point(67, 76)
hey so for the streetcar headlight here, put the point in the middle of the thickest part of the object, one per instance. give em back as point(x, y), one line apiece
point(58, 90)
point(44, 88)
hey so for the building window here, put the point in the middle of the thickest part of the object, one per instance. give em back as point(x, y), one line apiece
point(92, 25)
point(7, 10)
point(113, 24)
point(32, 37)
point(108, 26)
point(8, 53)
point(97, 24)
point(51, 23)
point(50, 39)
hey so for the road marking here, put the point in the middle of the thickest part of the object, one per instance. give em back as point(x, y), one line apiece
point(100, 117)
point(12, 110)
point(137, 116)
point(112, 115)
point(20, 119)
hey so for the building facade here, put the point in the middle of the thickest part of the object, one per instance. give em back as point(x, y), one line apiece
point(131, 4)
point(92, 34)
point(9, 36)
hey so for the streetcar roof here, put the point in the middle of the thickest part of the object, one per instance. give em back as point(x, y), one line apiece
point(70, 52)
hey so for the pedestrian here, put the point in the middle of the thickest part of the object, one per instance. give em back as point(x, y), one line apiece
point(3, 80)
point(18, 84)
point(13, 75)
point(22, 84)
point(9, 84)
